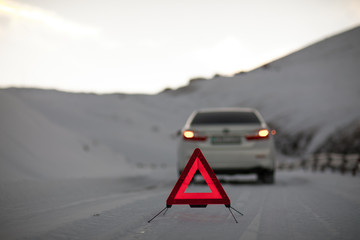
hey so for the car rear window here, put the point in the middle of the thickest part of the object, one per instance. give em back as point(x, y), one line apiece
point(225, 118)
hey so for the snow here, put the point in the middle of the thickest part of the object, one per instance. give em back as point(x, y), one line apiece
point(99, 166)
point(32, 146)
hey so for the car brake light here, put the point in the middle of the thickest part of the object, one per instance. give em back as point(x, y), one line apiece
point(191, 136)
point(261, 134)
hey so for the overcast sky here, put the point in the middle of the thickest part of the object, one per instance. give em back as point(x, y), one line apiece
point(144, 46)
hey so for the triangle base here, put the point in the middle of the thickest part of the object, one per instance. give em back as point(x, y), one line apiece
point(198, 206)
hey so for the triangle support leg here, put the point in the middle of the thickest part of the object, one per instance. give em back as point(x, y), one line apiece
point(165, 208)
point(233, 215)
point(237, 211)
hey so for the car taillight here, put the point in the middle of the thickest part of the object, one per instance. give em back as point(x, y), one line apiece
point(261, 134)
point(192, 136)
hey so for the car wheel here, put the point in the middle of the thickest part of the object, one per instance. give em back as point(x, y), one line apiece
point(267, 177)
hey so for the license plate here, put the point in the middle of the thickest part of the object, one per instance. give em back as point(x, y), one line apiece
point(226, 140)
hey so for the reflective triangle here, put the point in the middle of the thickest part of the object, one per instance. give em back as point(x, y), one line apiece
point(217, 195)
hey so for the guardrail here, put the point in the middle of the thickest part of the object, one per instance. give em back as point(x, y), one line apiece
point(342, 163)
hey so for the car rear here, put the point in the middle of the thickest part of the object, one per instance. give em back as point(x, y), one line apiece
point(233, 141)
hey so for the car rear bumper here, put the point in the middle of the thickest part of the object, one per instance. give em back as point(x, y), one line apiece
point(233, 162)
point(233, 171)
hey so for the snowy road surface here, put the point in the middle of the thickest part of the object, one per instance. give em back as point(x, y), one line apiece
point(301, 205)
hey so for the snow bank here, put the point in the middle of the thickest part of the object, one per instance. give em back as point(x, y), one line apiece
point(32, 146)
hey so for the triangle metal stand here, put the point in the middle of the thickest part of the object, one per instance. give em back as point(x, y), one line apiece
point(230, 207)
point(169, 206)
point(165, 208)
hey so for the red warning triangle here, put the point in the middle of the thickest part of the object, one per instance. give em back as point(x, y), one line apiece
point(178, 195)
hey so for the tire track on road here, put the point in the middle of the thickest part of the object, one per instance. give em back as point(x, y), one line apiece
point(252, 231)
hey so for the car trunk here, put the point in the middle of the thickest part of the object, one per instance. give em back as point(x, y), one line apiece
point(226, 136)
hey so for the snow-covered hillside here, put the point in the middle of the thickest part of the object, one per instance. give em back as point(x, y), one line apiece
point(33, 146)
point(305, 96)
